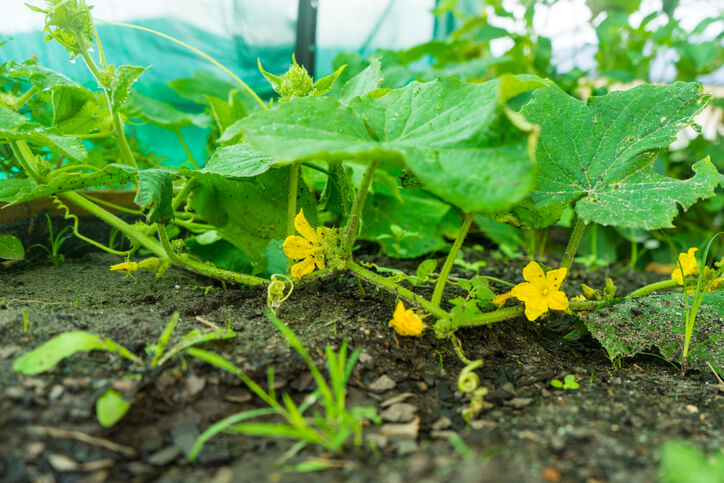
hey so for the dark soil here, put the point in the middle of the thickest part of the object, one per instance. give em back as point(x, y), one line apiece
point(608, 430)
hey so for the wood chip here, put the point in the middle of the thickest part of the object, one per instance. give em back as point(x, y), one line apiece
point(402, 431)
point(384, 383)
point(396, 399)
point(62, 463)
point(82, 437)
point(399, 413)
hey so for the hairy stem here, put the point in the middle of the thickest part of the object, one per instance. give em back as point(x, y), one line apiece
point(395, 288)
point(118, 127)
point(653, 287)
point(573, 243)
point(202, 268)
point(350, 230)
point(20, 102)
point(450, 260)
point(294, 170)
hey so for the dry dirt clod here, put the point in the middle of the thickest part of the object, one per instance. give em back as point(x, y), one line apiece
point(399, 413)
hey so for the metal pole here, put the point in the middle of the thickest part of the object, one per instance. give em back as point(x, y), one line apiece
point(306, 34)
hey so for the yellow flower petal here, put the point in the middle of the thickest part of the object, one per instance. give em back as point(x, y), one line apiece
point(534, 274)
point(532, 312)
point(296, 247)
point(319, 261)
point(499, 300)
point(715, 284)
point(406, 322)
point(305, 229)
point(526, 291)
point(678, 276)
point(555, 278)
point(557, 300)
point(305, 267)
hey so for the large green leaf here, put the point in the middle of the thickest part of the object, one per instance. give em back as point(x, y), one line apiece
point(406, 227)
point(75, 109)
point(162, 114)
point(637, 324)
point(249, 212)
point(237, 161)
point(110, 175)
point(452, 135)
point(600, 153)
point(155, 192)
point(12, 188)
point(41, 77)
point(16, 127)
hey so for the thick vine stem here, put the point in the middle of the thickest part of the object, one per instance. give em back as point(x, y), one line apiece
point(349, 235)
point(201, 268)
point(398, 290)
point(294, 171)
point(573, 243)
point(129, 231)
point(653, 287)
point(450, 260)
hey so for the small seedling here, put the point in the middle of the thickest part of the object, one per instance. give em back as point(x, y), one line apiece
point(569, 382)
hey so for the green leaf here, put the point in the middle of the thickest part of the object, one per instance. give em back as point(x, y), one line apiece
point(162, 114)
point(41, 77)
point(425, 268)
point(110, 408)
point(599, 153)
point(323, 85)
point(453, 136)
point(75, 109)
point(123, 77)
point(225, 113)
point(59, 347)
point(237, 161)
point(110, 175)
point(203, 83)
point(13, 188)
point(11, 248)
point(635, 325)
point(15, 127)
point(408, 228)
point(249, 212)
point(366, 81)
point(155, 192)
point(338, 194)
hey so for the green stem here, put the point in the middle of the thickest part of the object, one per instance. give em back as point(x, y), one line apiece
point(393, 287)
point(647, 289)
point(201, 268)
point(450, 260)
point(96, 135)
point(492, 317)
point(294, 170)
point(25, 158)
point(129, 231)
point(350, 230)
point(573, 243)
point(196, 51)
point(24, 98)
point(186, 148)
point(118, 127)
point(183, 194)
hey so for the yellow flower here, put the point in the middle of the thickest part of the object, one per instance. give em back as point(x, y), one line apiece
point(406, 322)
point(687, 262)
point(540, 290)
point(309, 247)
point(125, 267)
point(715, 284)
point(500, 299)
